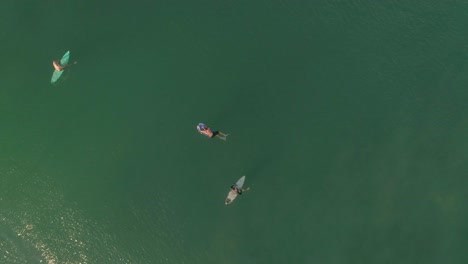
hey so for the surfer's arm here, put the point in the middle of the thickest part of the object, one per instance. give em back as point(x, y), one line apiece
point(68, 65)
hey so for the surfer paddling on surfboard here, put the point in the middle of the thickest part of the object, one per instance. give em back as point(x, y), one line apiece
point(236, 190)
point(59, 67)
point(205, 130)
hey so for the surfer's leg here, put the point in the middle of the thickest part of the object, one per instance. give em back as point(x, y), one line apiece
point(221, 135)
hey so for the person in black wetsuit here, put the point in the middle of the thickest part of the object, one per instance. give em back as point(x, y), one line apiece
point(237, 190)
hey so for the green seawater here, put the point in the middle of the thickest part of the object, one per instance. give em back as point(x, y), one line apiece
point(348, 119)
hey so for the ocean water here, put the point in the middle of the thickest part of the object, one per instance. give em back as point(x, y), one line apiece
point(347, 118)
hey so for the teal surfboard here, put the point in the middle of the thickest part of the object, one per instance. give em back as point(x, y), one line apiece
point(63, 61)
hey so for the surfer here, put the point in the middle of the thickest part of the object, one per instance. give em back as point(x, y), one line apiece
point(237, 190)
point(59, 67)
point(205, 130)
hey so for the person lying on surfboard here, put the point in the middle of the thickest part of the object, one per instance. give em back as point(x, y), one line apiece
point(237, 190)
point(59, 67)
point(205, 130)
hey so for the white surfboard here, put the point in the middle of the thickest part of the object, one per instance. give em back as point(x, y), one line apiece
point(233, 194)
